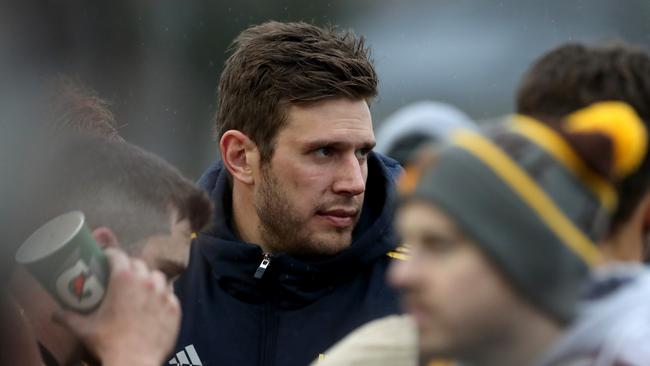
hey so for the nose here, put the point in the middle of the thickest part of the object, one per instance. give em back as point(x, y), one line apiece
point(351, 177)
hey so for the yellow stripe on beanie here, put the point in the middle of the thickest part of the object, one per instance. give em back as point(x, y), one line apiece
point(531, 194)
point(549, 140)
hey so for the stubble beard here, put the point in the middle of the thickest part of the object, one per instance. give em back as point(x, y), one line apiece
point(282, 229)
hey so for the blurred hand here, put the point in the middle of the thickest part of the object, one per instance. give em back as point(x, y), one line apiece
point(138, 320)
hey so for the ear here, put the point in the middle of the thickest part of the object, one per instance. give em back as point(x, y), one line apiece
point(105, 238)
point(240, 156)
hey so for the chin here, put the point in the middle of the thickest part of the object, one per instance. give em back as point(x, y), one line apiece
point(432, 346)
point(329, 245)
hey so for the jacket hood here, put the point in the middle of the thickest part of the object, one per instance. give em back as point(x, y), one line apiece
point(234, 262)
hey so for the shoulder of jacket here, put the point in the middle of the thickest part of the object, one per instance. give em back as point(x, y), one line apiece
point(394, 168)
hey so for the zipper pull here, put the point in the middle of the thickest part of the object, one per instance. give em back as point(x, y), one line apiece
point(262, 267)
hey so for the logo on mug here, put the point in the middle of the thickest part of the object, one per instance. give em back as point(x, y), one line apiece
point(79, 287)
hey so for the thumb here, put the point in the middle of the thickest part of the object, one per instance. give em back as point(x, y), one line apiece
point(71, 321)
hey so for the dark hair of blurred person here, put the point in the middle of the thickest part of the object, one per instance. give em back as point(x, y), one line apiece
point(77, 108)
point(132, 200)
point(575, 75)
point(40, 115)
point(119, 185)
point(504, 227)
point(298, 253)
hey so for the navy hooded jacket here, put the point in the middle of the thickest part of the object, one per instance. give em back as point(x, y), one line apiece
point(297, 309)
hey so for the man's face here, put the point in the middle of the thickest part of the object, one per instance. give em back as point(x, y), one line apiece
point(458, 300)
point(310, 194)
point(169, 252)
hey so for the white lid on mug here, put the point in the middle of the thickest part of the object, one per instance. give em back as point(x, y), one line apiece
point(50, 237)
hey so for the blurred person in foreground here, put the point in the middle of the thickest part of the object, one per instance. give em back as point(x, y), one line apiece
point(556, 84)
point(297, 256)
point(133, 201)
point(504, 227)
point(76, 108)
point(502, 231)
point(131, 327)
point(82, 164)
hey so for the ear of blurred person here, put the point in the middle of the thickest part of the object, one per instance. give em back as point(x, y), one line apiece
point(559, 82)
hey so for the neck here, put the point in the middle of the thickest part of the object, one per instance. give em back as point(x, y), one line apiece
point(523, 345)
point(628, 242)
point(623, 246)
point(37, 307)
point(246, 222)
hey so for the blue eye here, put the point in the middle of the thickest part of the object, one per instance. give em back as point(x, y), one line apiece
point(363, 153)
point(323, 151)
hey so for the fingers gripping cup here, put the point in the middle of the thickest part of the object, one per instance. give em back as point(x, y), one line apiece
point(63, 256)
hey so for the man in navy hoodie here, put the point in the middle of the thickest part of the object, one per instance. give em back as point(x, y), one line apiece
point(299, 249)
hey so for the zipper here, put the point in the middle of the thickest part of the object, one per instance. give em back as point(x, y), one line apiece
point(266, 260)
point(269, 338)
point(269, 321)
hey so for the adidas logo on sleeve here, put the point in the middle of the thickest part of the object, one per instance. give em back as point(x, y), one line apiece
point(186, 357)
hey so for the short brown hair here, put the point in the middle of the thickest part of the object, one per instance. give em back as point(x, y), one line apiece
point(116, 184)
point(574, 76)
point(278, 64)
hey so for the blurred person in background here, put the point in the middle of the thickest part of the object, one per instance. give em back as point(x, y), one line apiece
point(411, 134)
point(297, 256)
point(613, 326)
point(417, 125)
point(503, 228)
point(133, 201)
point(575, 75)
point(555, 84)
point(77, 108)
